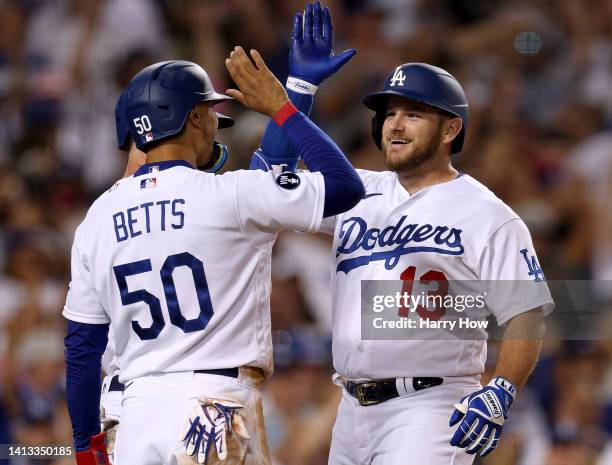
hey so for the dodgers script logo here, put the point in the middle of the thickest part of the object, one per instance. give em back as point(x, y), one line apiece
point(356, 235)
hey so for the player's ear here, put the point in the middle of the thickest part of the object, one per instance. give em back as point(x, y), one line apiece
point(452, 128)
point(195, 118)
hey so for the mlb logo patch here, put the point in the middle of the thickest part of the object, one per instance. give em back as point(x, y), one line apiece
point(148, 137)
point(148, 183)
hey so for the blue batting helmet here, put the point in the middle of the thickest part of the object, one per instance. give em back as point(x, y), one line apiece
point(426, 84)
point(157, 101)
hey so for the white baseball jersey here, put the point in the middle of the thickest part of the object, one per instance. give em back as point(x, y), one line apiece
point(178, 261)
point(110, 365)
point(455, 231)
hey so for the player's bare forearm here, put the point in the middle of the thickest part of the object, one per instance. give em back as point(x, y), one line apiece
point(481, 415)
point(521, 347)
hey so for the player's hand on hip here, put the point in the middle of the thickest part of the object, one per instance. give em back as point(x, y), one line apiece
point(258, 89)
point(311, 57)
point(481, 416)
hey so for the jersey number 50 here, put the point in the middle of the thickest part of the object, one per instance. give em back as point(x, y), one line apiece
point(176, 317)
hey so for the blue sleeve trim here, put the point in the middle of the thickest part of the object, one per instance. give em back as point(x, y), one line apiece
point(343, 186)
point(85, 344)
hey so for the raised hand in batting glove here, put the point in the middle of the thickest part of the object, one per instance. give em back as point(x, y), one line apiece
point(215, 424)
point(482, 415)
point(312, 58)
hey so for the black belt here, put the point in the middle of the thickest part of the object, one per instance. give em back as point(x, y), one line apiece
point(115, 385)
point(231, 372)
point(380, 390)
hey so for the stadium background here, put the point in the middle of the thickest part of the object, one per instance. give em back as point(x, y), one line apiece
point(540, 137)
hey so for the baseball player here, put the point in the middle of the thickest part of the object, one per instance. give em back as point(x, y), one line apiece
point(419, 400)
point(177, 262)
point(423, 221)
point(314, 53)
point(112, 389)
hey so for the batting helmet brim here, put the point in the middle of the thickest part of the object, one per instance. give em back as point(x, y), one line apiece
point(214, 97)
point(224, 121)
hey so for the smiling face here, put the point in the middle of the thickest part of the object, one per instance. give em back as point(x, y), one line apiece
point(412, 133)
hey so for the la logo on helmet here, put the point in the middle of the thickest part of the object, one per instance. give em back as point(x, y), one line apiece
point(398, 77)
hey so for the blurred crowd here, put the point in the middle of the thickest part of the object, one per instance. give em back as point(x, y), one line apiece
point(540, 137)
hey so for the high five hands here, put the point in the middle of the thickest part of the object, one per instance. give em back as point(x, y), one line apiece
point(312, 56)
point(258, 89)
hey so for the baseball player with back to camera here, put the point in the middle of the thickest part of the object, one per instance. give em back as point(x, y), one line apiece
point(112, 389)
point(315, 55)
point(420, 401)
point(177, 261)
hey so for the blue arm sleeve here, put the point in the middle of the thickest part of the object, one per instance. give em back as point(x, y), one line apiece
point(343, 186)
point(276, 149)
point(85, 344)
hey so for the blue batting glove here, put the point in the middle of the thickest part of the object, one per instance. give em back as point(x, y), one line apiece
point(311, 58)
point(482, 415)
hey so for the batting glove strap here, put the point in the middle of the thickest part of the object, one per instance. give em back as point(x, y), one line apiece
point(300, 86)
point(507, 390)
point(481, 416)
